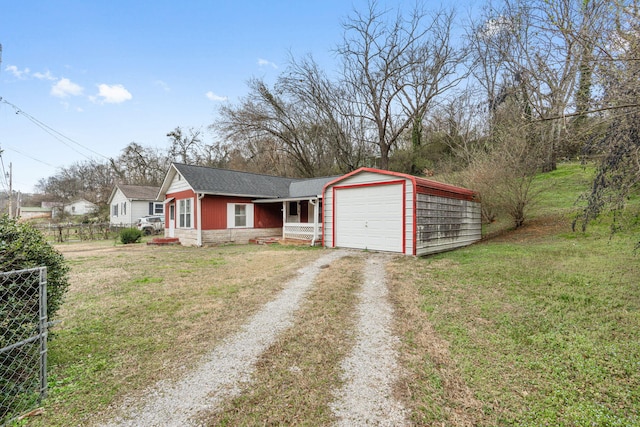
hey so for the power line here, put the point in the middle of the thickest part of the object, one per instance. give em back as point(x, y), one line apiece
point(54, 133)
point(29, 156)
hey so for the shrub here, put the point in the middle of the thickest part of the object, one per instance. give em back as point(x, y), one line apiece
point(130, 235)
point(22, 247)
point(503, 176)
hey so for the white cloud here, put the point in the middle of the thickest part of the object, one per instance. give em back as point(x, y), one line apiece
point(264, 62)
point(65, 87)
point(44, 76)
point(113, 94)
point(213, 97)
point(21, 74)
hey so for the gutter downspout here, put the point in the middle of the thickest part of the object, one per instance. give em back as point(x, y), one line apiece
point(316, 205)
point(199, 213)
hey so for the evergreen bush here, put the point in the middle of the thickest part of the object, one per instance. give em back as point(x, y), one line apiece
point(130, 235)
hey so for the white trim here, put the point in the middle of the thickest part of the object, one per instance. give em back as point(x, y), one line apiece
point(199, 218)
point(231, 215)
point(287, 199)
point(179, 213)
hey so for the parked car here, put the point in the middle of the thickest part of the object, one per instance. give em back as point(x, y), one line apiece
point(151, 224)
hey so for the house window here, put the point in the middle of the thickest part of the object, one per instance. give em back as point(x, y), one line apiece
point(123, 208)
point(156, 208)
point(184, 213)
point(239, 215)
point(293, 208)
point(114, 210)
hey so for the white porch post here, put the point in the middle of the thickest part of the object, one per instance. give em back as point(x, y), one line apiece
point(284, 218)
point(199, 220)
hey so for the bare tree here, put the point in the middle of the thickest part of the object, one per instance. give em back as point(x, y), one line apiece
point(266, 118)
point(538, 47)
point(90, 180)
point(618, 148)
point(185, 147)
point(394, 69)
point(326, 103)
point(138, 165)
point(303, 125)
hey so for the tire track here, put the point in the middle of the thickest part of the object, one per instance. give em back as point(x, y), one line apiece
point(371, 369)
point(228, 368)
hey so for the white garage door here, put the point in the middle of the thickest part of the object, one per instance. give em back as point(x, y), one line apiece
point(369, 217)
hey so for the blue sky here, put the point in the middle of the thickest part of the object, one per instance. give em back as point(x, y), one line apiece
point(107, 73)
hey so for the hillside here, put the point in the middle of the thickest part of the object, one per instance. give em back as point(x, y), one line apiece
point(538, 326)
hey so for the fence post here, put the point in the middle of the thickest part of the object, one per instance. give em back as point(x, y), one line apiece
point(43, 333)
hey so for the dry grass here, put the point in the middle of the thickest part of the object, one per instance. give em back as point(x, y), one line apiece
point(294, 378)
point(136, 314)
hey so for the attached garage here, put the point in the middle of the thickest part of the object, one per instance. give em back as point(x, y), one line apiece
point(393, 212)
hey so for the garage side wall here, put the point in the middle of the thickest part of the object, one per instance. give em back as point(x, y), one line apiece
point(443, 223)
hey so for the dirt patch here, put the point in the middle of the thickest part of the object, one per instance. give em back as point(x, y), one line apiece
point(97, 248)
point(533, 230)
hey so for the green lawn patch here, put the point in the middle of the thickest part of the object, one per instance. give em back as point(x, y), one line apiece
point(542, 323)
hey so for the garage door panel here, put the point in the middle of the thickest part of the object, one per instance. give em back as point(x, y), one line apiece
point(370, 217)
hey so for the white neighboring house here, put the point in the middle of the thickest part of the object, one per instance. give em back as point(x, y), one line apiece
point(127, 203)
point(80, 207)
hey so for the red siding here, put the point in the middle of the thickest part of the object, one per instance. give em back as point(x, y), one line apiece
point(267, 215)
point(214, 213)
point(304, 211)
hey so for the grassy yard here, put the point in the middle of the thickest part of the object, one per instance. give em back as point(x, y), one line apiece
point(137, 314)
point(539, 326)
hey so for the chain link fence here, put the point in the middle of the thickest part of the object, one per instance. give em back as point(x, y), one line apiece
point(23, 341)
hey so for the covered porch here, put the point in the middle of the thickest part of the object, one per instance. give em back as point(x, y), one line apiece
point(301, 218)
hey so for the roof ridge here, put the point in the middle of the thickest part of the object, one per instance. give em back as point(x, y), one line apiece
point(237, 171)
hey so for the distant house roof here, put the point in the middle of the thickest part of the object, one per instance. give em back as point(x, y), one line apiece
point(217, 181)
point(34, 209)
point(136, 192)
point(139, 192)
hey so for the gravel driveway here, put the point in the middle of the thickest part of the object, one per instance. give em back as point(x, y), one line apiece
point(368, 372)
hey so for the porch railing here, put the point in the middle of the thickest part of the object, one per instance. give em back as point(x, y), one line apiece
point(301, 231)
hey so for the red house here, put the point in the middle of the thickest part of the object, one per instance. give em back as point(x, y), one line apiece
point(365, 209)
point(206, 205)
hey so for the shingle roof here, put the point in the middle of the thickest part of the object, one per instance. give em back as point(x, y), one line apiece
point(139, 192)
point(229, 182)
point(309, 187)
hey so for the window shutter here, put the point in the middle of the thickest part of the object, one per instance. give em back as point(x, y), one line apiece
point(250, 216)
point(231, 215)
point(151, 208)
